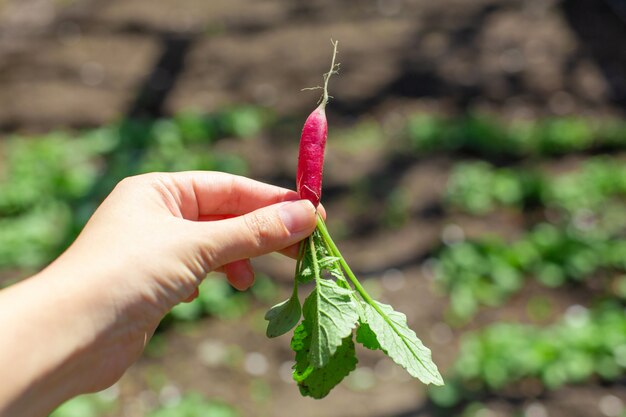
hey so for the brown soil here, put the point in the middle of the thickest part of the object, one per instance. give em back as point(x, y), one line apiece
point(85, 63)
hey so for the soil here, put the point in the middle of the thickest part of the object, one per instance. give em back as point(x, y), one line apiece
point(76, 64)
point(84, 63)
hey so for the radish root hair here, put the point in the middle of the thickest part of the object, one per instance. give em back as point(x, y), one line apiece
point(334, 69)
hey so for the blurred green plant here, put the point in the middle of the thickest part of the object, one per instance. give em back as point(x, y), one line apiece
point(583, 344)
point(490, 270)
point(490, 136)
point(190, 405)
point(52, 166)
point(219, 299)
point(88, 405)
point(50, 184)
point(194, 405)
point(365, 133)
point(216, 297)
point(479, 187)
point(40, 176)
point(397, 210)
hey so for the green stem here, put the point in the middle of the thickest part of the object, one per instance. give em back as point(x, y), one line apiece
point(316, 267)
point(321, 226)
point(301, 249)
point(337, 264)
point(294, 292)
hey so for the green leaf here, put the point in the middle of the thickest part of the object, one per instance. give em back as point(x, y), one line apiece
point(300, 337)
point(284, 316)
point(330, 315)
point(305, 271)
point(325, 262)
point(400, 343)
point(318, 382)
point(366, 336)
point(305, 275)
point(328, 263)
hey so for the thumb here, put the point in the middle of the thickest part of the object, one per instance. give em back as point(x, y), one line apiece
point(256, 233)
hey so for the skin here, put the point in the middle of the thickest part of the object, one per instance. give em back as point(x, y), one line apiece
point(76, 326)
point(311, 156)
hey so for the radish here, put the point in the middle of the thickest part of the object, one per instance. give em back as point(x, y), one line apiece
point(338, 309)
point(312, 145)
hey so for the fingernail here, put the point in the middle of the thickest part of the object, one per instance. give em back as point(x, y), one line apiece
point(297, 216)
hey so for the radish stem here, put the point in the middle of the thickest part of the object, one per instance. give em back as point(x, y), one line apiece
point(321, 226)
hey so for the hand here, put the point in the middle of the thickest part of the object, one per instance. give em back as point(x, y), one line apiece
point(146, 248)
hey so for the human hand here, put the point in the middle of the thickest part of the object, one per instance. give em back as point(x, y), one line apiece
point(162, 233)
point(208, 221)
point(145, 249)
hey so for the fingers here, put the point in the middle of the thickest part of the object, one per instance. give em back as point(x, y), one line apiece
point(240, 274)
point(262, 231)
point(294, 250)
point(210, 194)
point(213, 217)
point(322, 211)
point(291, 251)
point(193, 296)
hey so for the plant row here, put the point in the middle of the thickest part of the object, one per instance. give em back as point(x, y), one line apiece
point(219, 299)
point(50, 184)
point(190, 405)
point(491, 136)
point(488, 271)
point(502, 358)
point(479, 187)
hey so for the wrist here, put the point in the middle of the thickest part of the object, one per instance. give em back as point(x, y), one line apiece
point(71, 335)
point(36, 355)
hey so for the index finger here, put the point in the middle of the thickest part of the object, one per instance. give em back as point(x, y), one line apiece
point(214, 217)
point(202, 194)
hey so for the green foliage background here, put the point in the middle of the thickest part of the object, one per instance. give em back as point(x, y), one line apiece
point(574, 220)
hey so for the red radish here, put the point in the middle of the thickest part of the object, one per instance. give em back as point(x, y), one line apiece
point(312, 144)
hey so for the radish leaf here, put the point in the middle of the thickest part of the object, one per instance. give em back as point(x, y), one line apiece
point(366, 337)
point(317, 382)
point(400, 343)
point(284, 316)
point(330, 315)
point(323, 341)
